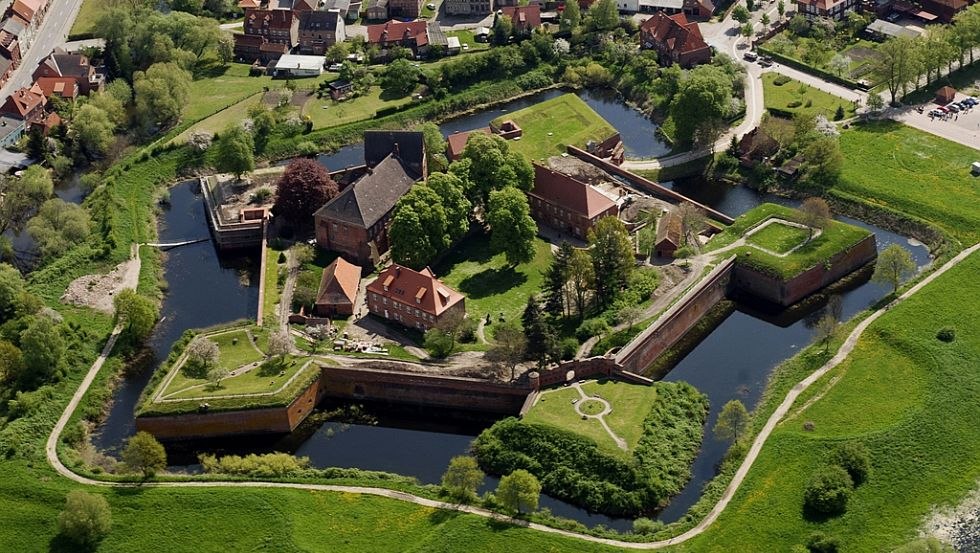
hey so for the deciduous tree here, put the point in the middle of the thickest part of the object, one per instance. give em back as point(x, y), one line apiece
point(92, 131)
point(236, 151)
point(304, 187)
point(144, 454)
point(136, 313)
point(896, 64)
point(23, 196)
point(418, 228)
point(828, 490)
point(512, 230)
point(509, 347)
point(452, 195)
point(815, 213)
point(612, 258)
point(204, 352)
point(519, 491)
point(162, 92)
point(58, 226)
point(705, 95)
point(823, 161)
point(894, 265)
point(280, 345)
point(493, 166)
point(732, 422)
point(824, 330)
point(86, 518)
point(43, 350)
point(463, 477)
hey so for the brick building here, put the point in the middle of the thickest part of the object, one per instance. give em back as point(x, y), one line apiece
point(567, 204)
point(338, 289)
point(468, 7)
point(74, 66)
point(26, 104)
point(416, 299)
point(320, 30)
point(414, 35)
point(267, 35)
point(675, 39)
point(524, 18)
point(404, 8)
point(833, 9)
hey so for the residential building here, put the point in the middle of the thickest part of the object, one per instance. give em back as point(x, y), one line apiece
point(414, 35)
point(567, 204)
point(31, 11)
point(377, 10)
point(340, 90)
point(293, 65)
point(416, 299)
point(945, 9)
point(408, 147)
point(756, 146)
point(524, 18)
point(404, 8)
point(65, 88)
point(75, 66)
point(456, 142)
point(833, 9)
point(11, 129)
point(675, 39)
point(468, 7)
point(338, 289)
point(14, 38)
point(268, 34)
point(669, 234)
point(7, 67)
point(348, 10)
point(695, 9)
point(26, 104)
point(320, 30)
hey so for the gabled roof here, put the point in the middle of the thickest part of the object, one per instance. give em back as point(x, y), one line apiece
point(23, 101)
point(339, 282)
point(64, 87)
point(409, 146)
point(524, 16)
point(420, 289)
point(674, 32)
point(394, 31)
point(316, 21)
point(669, 228)
point(72, 65)
point(256, 19)
point(247, 4)
point(304, 5)
point(569, 193)
point(372, 196)
point(456, 142)
point(27, 8)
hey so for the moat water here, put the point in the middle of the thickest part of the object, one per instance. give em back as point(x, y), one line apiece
point(733, 361)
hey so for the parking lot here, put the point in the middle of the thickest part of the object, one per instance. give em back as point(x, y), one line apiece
point(954, 114)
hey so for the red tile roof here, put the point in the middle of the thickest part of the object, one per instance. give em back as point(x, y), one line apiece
point(65, 87)
point(256, 19)
point(421, 290)
point(339, 283)
point(527, 17)
point(23, 101)
point(393, 31)
point(27, 8)
point(569, 193)
point(675, 32)
point(457, 141)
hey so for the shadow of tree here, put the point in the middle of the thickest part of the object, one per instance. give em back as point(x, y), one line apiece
point(192, 369)
point(491, 282)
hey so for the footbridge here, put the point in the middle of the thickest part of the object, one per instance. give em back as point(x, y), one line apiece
point(171, 245)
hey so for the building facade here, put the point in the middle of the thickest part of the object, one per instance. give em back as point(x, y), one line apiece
point(468, 7)
point(567, 204)
point(833, 9)
point(416, 299)
point(675, 39)
point(320, 30)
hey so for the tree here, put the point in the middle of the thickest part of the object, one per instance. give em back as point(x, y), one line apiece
point(304, 187)
point(839, 64)
point(144, 454)
point(612, 258)
point(302, 254)
point(92, 131)
point(463, 477)
point(823, 161)
point(12, 289)
point(828, 490)
point(894, 265)
point(542, 340)
point(318, 334)
point(162, 92)
point(509, 348)
point(605, 15)
point(557, 297)
point(23, 196)
point(781, 8)
point(705, 95)
point(765, 22)
point(236, 151)
point(204, 352)
point(747, 30)
point(732, 422)
point(400, 78)
point(818, 542)
point(693, 221)
point(137, 313)
point(824, 329)
point(581, 274)
point(215, 374)
point(503, 27)
point(280, 345)
point(43, 351)
point(512, 230)
point(11, 362)
point(896, 64)
point(519, 491)
point(815, 214)
point(571, 16)
point(86, 518)
point(58, 226)
point(741, 14)
point(418, 228)
point(435, 147)
point(489, 164)
point(855, 458)
point(875, 103)
point(438, 343)
point(452, 195)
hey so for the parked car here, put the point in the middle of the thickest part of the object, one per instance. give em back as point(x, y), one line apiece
point(750, 56)
point(335, 67)
point(953, 108)
point(431, 6)
point(765, 62)
point(943, 109)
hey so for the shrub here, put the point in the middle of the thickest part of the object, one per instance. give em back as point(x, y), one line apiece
point(86, 518)
point(818, 542)
point(591, 327)
point(568, 348)
point(643, 282)
point(683, 252)
point(261, 195)
point(946, 334)
point(268, 465)
point(467, 331)
point(282, 258)
point(794, 104)
point(855, 459)
point(828, 490)
point(839, 114)
point(781, 80)
point(645, 526)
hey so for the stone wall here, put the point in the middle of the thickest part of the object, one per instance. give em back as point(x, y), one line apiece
point(785, 293)
point(573, 370)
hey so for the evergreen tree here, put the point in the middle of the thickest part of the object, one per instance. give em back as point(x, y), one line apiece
point(556, 293)
point(542, 341)
point(612, 258)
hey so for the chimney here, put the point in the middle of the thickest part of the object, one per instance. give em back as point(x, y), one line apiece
point(395, 150)
point(398, 271)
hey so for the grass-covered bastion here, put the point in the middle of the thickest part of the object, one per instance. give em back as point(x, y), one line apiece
point(550, 126)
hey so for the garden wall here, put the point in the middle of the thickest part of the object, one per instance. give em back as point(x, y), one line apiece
point(785, 293)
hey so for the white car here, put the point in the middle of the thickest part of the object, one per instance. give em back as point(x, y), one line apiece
point(431, 6)
point(335, 67)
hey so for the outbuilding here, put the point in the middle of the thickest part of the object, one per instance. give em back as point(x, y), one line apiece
point(293, 65)
point(945, 95)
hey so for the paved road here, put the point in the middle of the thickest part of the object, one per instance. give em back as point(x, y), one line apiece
point(52, 33)
point(943, 129)
point(740, 474)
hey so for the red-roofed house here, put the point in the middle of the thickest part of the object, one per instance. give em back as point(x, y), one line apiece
point(567, 204)
point(675, 39)
point(525, 18)
point(338, 289)
point(834, 9)
point(456, 142)
point(76, 66)
point(268, 35)
point(27, 104)
point(63, 87)
point(413, 35)
point(28, 10)
point(412, 298)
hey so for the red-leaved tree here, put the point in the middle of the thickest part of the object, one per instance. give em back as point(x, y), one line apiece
point(303, 188)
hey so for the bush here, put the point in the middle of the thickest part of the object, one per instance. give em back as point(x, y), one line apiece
point(794, 104)
point(261, 195)
point(646, 527)
point(591, 327)
point(855, 459)
point(268, 465)
point(683, 252)
point(781, 80)
point(643, 282)
point(467, 331)
point(86, 518)
point(818, 542)
point(568, 348)
point(828, 490)
point(946, 334)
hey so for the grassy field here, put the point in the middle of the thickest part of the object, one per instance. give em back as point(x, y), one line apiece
point(913, 172)
point(467, 38)
point(327, 113)
point(782, 96)
point(267, 378)
point(835, 238)
point(84, 23)
point(630, 405)
point(551, 125)
point(271, 293)
point(489, 284)
point(778, 237)
point(910, 398)
point(223, 86)
point(224, 118)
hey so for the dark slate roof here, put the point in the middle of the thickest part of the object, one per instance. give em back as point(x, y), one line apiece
point(314, 21)
point(410, 145)
point(342, 5)
point(372, 196)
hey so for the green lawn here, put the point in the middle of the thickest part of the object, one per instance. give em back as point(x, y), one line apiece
point(468, 38)
point(489, 284)
point(910, 398)
point(630, 404)
point(788, 98)
point(271, 293)
point(223, 119)
point(551, 125)
point(778, 237)
point(327, 113)
point(267, 378)
point(835, 238)
point(220, 87)
point(913, 172)
point(84, 23)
